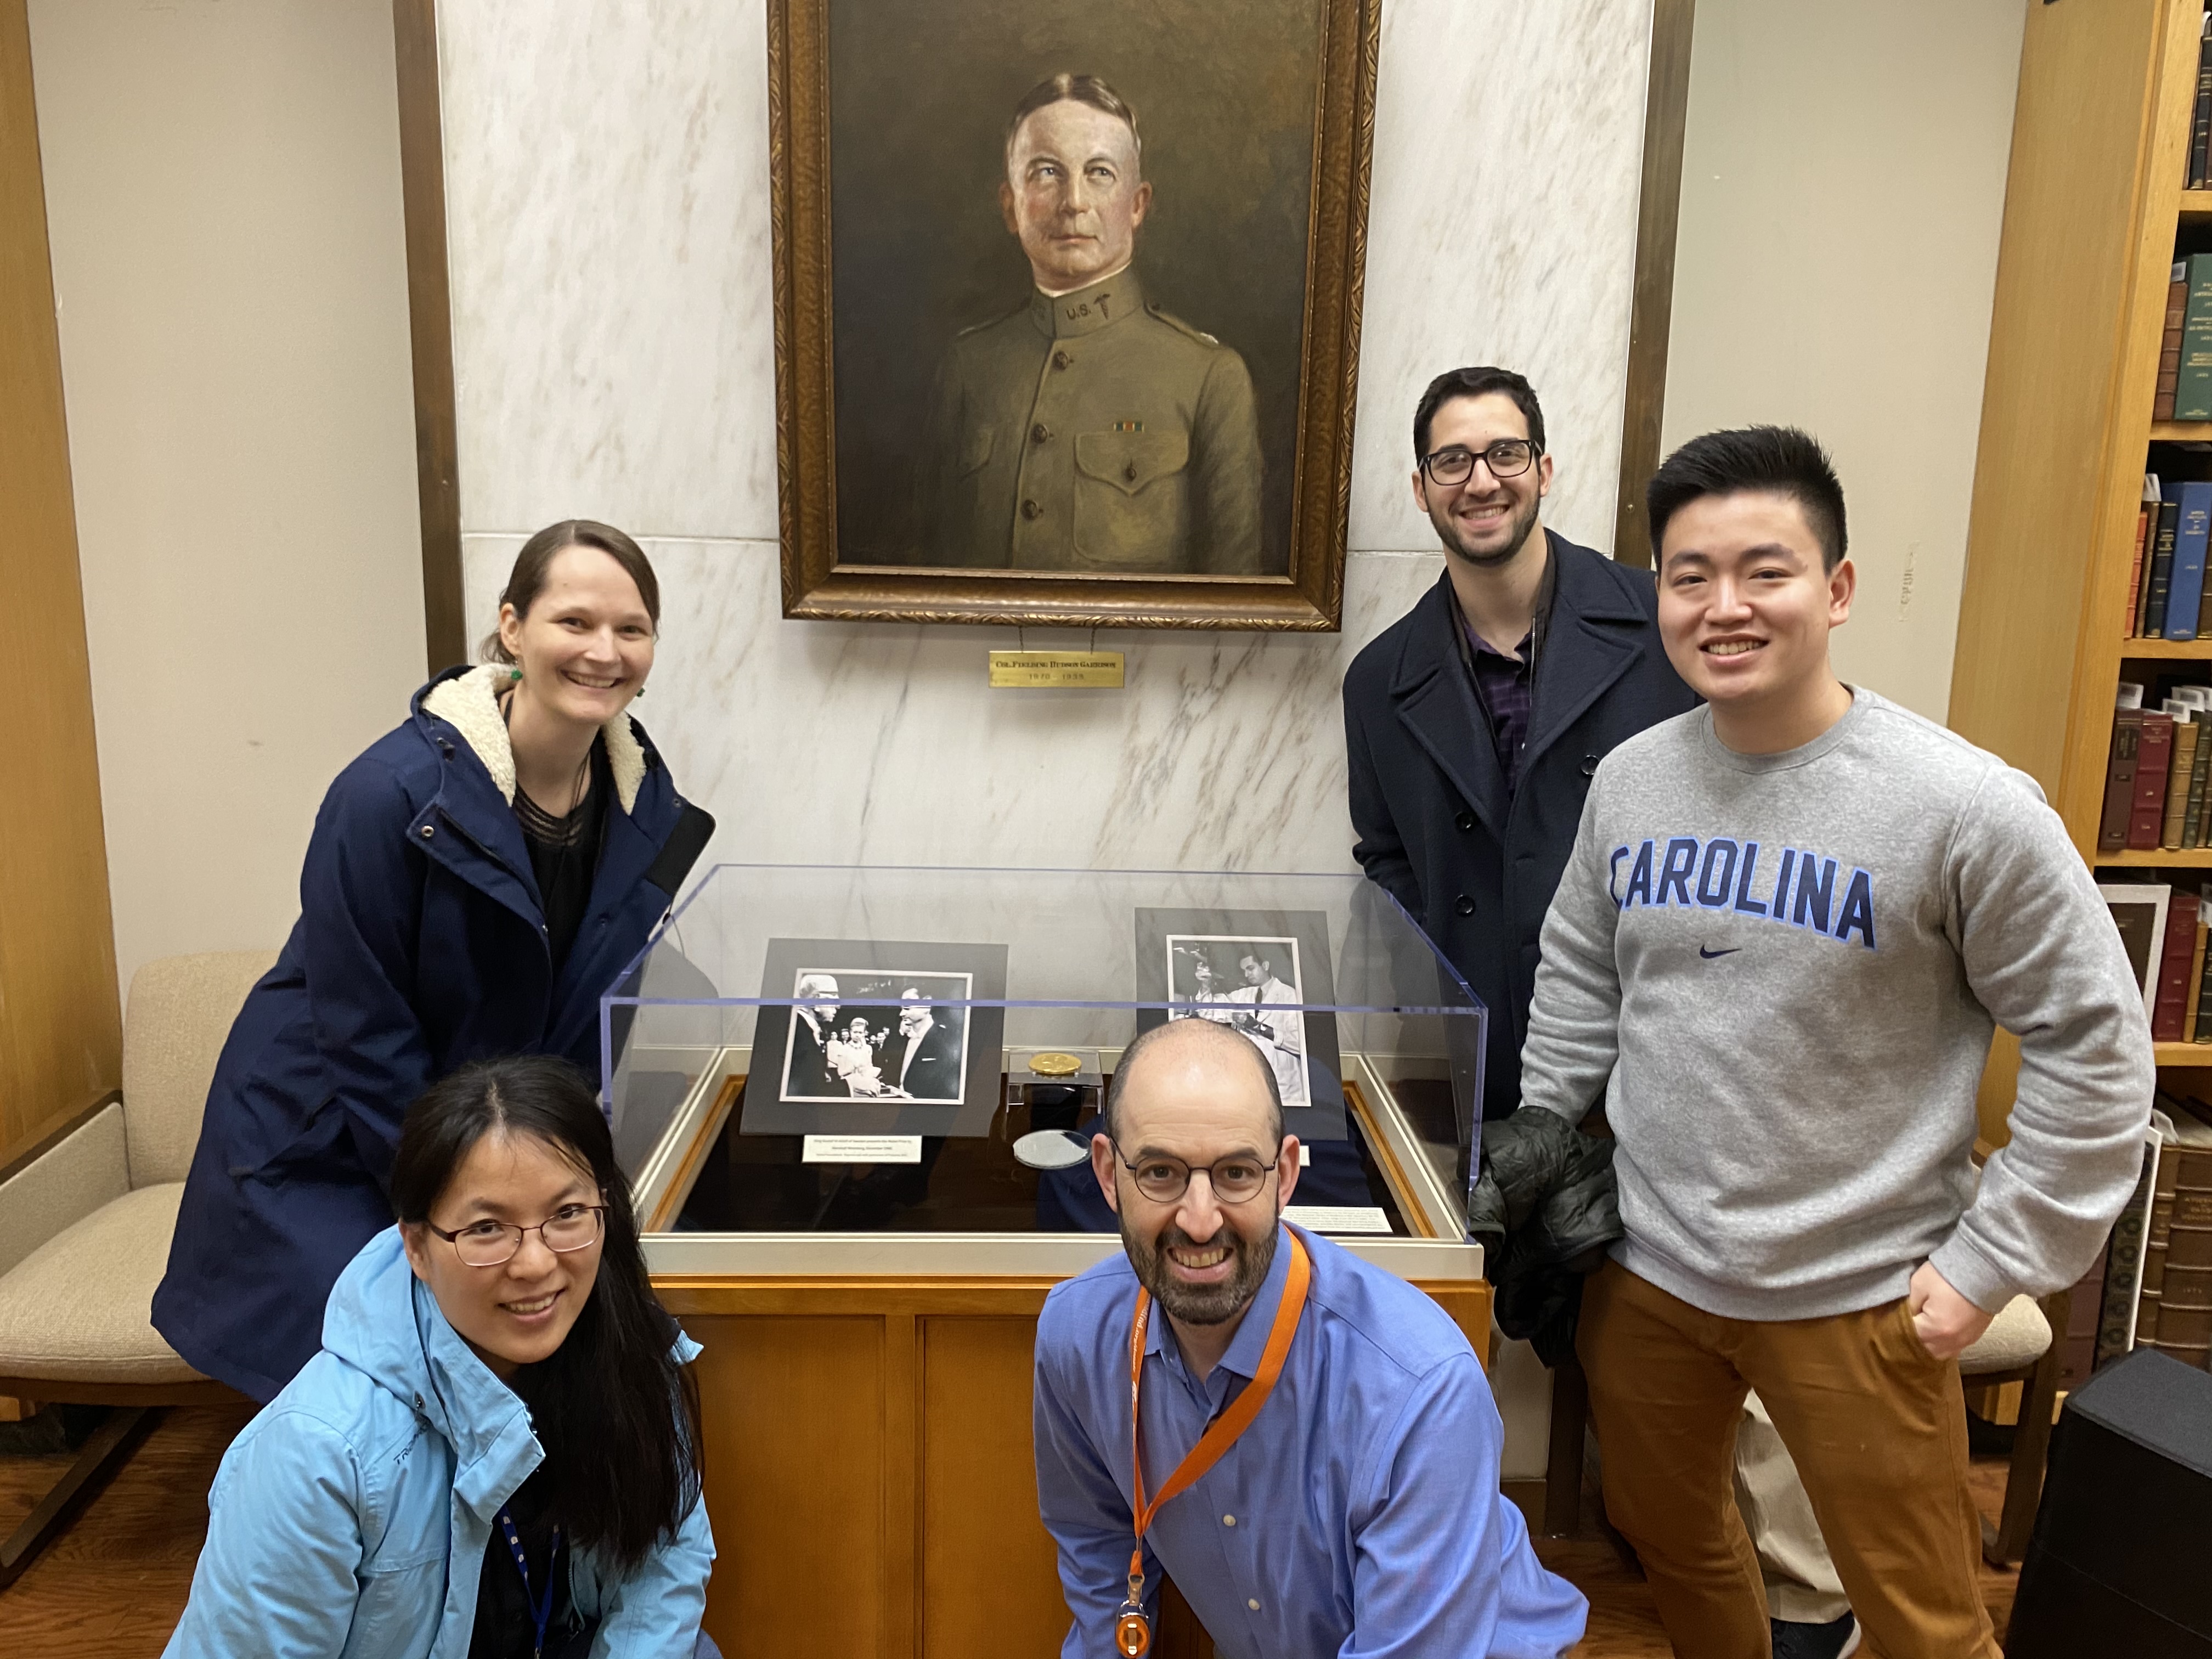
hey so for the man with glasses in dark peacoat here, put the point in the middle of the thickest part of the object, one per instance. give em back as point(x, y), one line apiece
point(1472, 724)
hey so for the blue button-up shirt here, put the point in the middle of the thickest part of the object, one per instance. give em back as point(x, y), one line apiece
point(1359, 1514)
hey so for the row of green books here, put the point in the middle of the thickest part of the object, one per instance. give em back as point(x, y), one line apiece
point(2184, 357)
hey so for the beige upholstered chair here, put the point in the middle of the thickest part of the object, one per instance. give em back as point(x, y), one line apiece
point(2019, 1348)
point(85, 1220)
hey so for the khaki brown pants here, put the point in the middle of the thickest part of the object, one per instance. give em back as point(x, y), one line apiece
point(1878, 1430)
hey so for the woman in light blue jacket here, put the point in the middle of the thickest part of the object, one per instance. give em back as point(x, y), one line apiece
point(495, 1453)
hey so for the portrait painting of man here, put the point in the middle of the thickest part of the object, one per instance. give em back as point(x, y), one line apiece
point(1089, 428)
point(1085, 301)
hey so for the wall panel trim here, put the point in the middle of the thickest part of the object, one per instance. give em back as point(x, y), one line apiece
point(430, 328)
point(1651, 315)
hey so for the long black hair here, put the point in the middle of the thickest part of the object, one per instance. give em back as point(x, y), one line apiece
point(617, 1416)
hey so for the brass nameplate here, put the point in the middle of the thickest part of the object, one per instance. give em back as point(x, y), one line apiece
point(1016, 668)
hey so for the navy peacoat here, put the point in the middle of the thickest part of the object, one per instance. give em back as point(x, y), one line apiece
point(1475, 866)
point(420, 945)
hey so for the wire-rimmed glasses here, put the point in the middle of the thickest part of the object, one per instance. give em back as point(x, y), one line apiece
point(495, 1243)
point(1235, 1179)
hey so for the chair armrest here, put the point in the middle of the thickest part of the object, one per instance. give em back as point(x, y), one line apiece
point(2020, 1335)
point(63, 1185)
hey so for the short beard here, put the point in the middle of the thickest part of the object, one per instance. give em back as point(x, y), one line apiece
point(1523, 524)
point(1201, 1304)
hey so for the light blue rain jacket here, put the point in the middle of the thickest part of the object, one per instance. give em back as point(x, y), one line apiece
point(337, 1514)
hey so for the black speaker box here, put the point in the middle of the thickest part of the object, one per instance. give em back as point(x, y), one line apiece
point(2120, 1563)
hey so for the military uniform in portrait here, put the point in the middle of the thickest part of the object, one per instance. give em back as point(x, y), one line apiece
point(1094, 431)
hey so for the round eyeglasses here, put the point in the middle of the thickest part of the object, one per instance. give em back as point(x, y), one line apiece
point(1509, 457)
point(492, 1243)
point(1164, 1180)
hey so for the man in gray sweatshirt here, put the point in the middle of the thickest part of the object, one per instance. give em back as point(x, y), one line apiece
point(1790, 922)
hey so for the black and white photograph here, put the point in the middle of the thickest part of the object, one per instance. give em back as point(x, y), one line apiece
point(877, 1036)
point(1265, 973)
point(1251, 986)
point(863, 1035)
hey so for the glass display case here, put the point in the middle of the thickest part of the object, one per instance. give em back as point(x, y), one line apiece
point(854, 1104)
point(909, 1060)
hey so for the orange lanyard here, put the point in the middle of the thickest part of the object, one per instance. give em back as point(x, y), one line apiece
point(1220, 1435)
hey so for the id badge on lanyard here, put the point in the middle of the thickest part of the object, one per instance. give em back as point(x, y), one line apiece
point(1133, 1632)
point(541, 1607)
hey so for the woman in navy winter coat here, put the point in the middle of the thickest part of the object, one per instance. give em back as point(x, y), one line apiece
point(475, 881)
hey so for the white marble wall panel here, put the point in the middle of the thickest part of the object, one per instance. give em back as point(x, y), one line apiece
point(607, 205)
point(1508, 143)
point(607, 226)
point(845, 742)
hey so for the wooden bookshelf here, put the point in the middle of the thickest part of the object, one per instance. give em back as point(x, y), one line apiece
point(2184, 1056)
point(2192, 858)
point(2092, 203)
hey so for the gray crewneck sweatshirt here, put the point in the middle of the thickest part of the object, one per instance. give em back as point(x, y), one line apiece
point(1787, 968)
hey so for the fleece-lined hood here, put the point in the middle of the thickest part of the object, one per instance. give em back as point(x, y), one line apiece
point(468, 702)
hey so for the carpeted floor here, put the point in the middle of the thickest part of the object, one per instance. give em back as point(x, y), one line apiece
point(111, 1587)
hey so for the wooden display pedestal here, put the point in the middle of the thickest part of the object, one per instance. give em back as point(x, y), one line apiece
point(869, 1467)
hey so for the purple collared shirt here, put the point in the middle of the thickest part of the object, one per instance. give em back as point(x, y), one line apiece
point(1507, 693)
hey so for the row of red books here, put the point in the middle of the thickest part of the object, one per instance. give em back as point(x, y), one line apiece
point(2155, 781)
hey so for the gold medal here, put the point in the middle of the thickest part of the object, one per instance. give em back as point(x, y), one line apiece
point(1054, 1064)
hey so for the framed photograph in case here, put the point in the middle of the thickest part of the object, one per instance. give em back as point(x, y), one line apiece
point(1260, 973)
point(876, 1039)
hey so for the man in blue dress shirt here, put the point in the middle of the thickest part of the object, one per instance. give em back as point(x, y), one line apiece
point(1359, 1513)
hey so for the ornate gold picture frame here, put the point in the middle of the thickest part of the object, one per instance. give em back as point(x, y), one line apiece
point(981, 415)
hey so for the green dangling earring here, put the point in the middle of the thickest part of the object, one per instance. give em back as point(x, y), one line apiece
point(513, 674)
point(635, 695)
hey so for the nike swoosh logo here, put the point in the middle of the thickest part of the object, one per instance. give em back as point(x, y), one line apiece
point(1710, 955)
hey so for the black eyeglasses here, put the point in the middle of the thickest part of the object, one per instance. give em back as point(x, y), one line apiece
point(494, 1243)
point(1509, 457)
point(1235, 1179)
